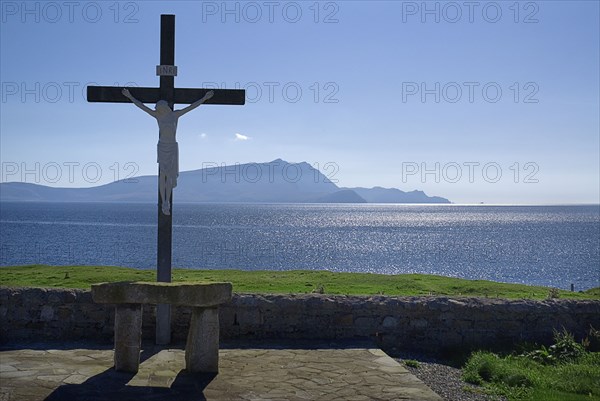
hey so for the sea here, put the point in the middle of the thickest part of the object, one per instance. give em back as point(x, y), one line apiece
point(539, 245)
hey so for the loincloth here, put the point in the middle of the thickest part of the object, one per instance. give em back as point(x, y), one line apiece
point(168, 160)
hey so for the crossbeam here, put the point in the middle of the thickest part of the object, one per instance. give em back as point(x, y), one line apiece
point(112, 94)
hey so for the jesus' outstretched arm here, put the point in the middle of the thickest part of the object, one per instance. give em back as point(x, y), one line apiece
point(197, 103)
point(139, 104)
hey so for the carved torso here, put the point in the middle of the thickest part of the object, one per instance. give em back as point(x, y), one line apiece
point(167, 126)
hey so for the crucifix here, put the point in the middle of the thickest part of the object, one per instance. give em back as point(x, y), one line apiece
point(165, 97)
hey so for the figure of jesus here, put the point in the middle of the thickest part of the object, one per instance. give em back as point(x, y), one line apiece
point(167, 148)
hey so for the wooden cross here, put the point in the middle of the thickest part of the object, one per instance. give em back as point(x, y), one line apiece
point(167, 91)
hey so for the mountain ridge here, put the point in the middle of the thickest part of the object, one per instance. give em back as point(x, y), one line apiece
point(277, 181)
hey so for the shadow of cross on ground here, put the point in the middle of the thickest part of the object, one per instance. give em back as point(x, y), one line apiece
point(114, 385)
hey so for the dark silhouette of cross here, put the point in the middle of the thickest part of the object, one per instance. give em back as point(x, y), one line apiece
point(166, 91)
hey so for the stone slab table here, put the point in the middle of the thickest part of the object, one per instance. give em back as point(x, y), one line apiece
point(202, 347)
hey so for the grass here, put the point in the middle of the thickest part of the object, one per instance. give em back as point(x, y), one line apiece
point(412, 363)
point(570, 376)
point(284, 282)
point(519, 378)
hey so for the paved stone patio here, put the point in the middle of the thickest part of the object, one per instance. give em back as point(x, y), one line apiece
point(254, 373)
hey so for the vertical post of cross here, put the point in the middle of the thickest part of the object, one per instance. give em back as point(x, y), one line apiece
point(165, 230)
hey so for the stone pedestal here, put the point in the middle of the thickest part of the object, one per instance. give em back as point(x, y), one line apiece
point(128, 337)
point(202, 348)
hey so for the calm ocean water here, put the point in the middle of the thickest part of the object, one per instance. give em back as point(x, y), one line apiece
point(546, 245)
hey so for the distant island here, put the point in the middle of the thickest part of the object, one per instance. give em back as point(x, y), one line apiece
point(273, 182)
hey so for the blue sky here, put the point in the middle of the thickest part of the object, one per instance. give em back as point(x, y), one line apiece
point(494, 102)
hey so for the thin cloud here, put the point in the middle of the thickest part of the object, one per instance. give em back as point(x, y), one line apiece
point(203, 135)
point(240, 137)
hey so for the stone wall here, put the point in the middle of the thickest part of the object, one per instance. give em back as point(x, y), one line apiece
point(427, 323)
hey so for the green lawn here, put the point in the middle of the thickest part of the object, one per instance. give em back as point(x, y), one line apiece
point(283, 282)
point(568, 372)
point(518, 378)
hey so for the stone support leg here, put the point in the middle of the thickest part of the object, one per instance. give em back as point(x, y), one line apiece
point(128, 337)
point(202, 348)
